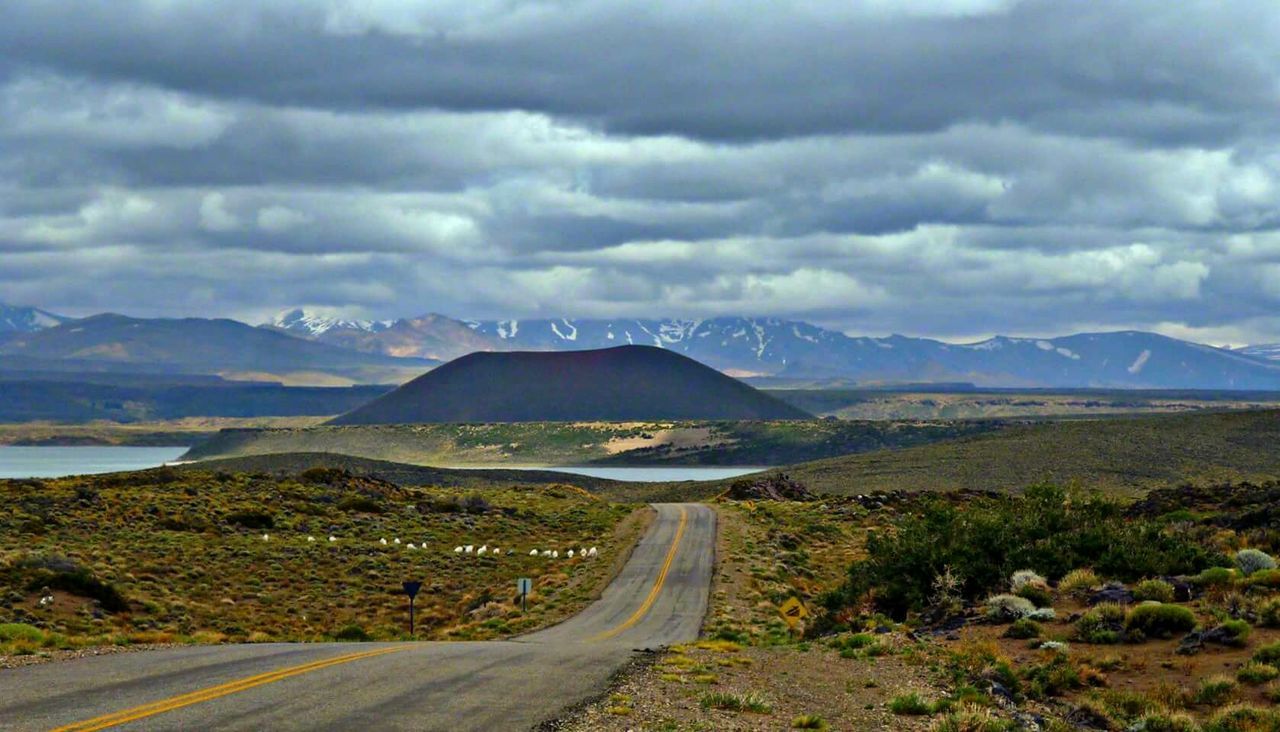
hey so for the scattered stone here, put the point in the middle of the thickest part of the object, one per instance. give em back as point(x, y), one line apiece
point(1112, 592)
point(773, 487)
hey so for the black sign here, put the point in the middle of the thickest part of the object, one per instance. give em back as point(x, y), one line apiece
point(411, 589)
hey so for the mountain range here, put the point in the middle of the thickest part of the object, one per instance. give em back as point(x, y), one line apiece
point(303, 347)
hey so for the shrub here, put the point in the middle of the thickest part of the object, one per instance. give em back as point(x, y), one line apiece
point(20, 632)
point(360, 504)
point(1242, 718)
point(750, 702)
point(1216, 691)
point(1159, 620)
point(809, 721)
point(988, 538)
point(1024, 577)
point(1269, 613)
point(1213, 577)
point(1153, 589)
point(1237, 632)
point(1023, 628)
point(1269, 653)
point(1269, 578)
point(971, 717)
point(910, 704)
point(1042, 614)
point(250, 519)
point(1166, 722)
point(1104, 623)
point(1007, 608)
point(1252, 560)
point(1039, 595)
point(1257, 673)
point(1079, 581)
point(352, 632)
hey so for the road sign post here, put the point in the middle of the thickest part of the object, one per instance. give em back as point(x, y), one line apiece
point(411, 589)
point(523, 586)
point(794, 612)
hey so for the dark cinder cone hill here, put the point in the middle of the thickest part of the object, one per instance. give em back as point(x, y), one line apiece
point(612, 384)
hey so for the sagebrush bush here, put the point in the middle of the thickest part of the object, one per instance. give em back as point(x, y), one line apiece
point(1038, 594)
point(1237, 631)
point(1269, 613)
point(987, 539)
point(1159, 620)
point(1153, 589)
point(1213, 577)
point(1249, 561)
point(1257, 673)
point(1216, 691)
point(1269, 653)
point(1008, 608)
point(1167, 722)
point(1023, 628)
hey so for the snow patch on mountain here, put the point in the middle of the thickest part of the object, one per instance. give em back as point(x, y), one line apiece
point(1139, 362)
point(15, 319)
point(314, 324)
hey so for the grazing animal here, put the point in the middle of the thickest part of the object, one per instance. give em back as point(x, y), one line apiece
point(332, 539)
point(266, 537)
point(310, 539)
point(555, 553)
point(411, 546)
point(570, 554)
point(457, 550)
point(546, 553)
point(382, 542)
point(468, 548)
point(592, 552)
point(533, 552)
point(496, 552)
point(397, 541)
point(482, 551)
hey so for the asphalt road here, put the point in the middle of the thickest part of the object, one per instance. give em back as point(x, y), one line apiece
point(659, 598)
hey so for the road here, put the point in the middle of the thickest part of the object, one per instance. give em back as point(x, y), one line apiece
point(658, 598)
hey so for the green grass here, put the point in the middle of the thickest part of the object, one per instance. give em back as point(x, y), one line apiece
point(751, 702)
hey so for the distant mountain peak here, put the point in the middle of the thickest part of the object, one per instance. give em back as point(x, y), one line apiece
point(299, 320)
point(19, 319)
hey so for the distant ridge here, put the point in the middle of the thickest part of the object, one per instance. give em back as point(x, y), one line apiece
point(612, 384)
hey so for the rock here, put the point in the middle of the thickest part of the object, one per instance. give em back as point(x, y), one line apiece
point(1112, 592)
point(774, 487)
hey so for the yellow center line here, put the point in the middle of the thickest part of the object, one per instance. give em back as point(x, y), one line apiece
point(213, 692)
point(657, 585)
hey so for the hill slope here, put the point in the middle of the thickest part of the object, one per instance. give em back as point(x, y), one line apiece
point(199, 346)
point(14, 319)
point(613, 384)
point(1127, 455)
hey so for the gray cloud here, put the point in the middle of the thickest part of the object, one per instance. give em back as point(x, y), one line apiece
point(948, 169)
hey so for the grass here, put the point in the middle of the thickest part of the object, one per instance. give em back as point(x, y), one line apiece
point(181, 555)
point(751, 702)
point(910, 705)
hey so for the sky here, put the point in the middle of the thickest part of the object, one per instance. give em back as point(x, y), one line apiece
point(944, 168)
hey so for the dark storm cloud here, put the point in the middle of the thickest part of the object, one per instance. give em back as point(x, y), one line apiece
point(950, 168)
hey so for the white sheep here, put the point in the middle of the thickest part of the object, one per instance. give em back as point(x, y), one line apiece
point(397, 541)
point(311, 539)
point(533, 552)
point(570, 554)
point(411, 545)
point(266, 537)
point(555, 553)
point(592, 552)
point(496, 552)
point(468, 548)
point(382, 541)
point(332, 539)
point(482, 551)
point(457, 550)
point(546, 553)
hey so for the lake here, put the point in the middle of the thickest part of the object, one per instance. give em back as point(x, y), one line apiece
point(55, 462)
point(645, 474)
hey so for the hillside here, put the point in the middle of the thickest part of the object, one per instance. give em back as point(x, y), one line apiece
point(199, 346)
point(1126, 455)
point(14, 319)
point(614, 384)
point(594, 443)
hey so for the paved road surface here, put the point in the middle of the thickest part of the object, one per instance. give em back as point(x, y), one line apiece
point(659, 598)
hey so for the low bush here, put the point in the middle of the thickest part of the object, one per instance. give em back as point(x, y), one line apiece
point(20, 632)
point(1023, 628)
point(1153, 589)
point(360, 504)
point(1024, 577)
point(1236, 631)
point(1213, 577)
point(1008, 608)
point(809, 721)
point(749, 702)
point(352, 632)
point(1167, 722)
point(251, 519)
point(1269, 653)
point(1216, 691)
point(1249, 561)
point(1038, 594)
point(1159, 620)
point(1257, 673)
point(1102, 624)
point(1242, 718)
point(910, 704)
point(1269, 613)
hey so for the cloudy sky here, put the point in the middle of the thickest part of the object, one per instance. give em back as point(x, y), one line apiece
point(951, 168)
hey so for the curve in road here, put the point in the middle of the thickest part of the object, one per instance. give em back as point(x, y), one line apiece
point(659, 598)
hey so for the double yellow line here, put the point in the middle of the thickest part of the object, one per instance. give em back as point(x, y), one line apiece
point(213, 692)
point(657, 585)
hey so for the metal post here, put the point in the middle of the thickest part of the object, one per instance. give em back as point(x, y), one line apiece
point(410, 616)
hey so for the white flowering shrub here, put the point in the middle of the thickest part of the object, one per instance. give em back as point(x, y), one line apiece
point(1043, 613)
point(1253, 560)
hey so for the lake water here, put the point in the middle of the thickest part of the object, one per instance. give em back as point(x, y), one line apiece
point(55, 462)
point(645, 474)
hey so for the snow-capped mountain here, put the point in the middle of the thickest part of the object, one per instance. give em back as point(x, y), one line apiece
point(14, 319)
point(1269, 351)
point(308, 324)
point(794, 349)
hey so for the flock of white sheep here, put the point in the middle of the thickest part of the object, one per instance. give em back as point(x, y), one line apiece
point(471, 549)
